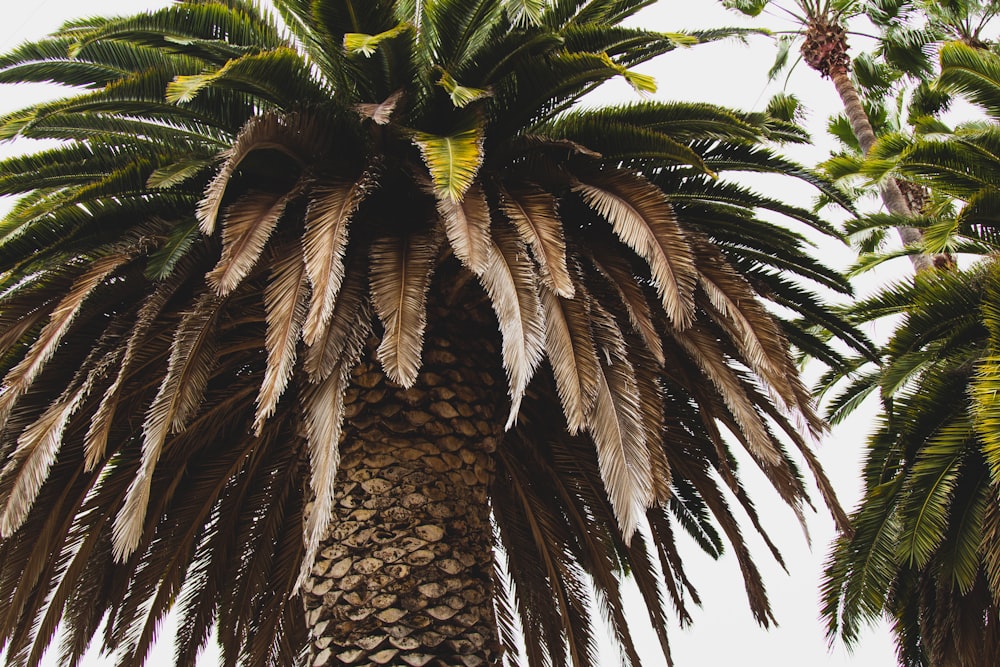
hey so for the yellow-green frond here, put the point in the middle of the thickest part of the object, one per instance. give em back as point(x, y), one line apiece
point(453, 161)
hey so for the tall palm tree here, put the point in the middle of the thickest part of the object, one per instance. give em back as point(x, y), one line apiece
point(898, 84)
point(927, 532)
point(313, 311)
point(824, 48)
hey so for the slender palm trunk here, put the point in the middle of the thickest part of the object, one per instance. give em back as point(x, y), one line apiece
point(405, 574)
point(892, 196)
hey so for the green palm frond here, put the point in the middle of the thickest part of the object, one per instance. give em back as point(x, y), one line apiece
point(931, 463)
point(973, 73)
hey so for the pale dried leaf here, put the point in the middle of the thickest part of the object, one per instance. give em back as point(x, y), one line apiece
point(467, 226)
point(297, 135)
point(510, 283)
point(644, 220)
point(735, 307)
point(20, 377)
point(647, 376)
point(401, 271)
point(351, 313)
point(382, 112)
point(39, 444)
point(615, 424)
point(570, 348)
point(324, 417)
point(331, 207)
point(192, 357)
point(618, 274)
point(96, 440)
point(534, 213)
point(285, 300)
point(246, 226)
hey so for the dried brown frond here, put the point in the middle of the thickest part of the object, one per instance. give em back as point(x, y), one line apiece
point(192, 356)
point(332, 204)
point(19, 378)
point(619, 275)
point(509, 281)
point(536, 218)
point(246, 226)
point(39, 444)
point(351, 312)
point(381, 113)
point(569, 346)
point(644, 220)
point(705, 351)
point(615, 423)
point(285, 299)
point(734, 306)
point(467, 225)
point(297, 135)
point(102, 420)
point(401, 271)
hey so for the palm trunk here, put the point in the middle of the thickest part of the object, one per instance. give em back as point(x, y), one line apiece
point(892, 196)
point(404, 576)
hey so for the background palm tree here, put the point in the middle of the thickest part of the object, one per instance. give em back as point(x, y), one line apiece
point(256, 295)
point(926, 534)
point(898, 83)
point(824, 47)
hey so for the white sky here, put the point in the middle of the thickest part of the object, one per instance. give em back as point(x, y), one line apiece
point(723, 633)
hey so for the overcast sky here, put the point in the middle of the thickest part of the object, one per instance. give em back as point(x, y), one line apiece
point(723, 633)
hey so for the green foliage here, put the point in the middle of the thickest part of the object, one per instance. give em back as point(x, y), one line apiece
point(925, 532)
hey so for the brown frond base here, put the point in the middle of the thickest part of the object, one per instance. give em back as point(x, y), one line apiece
point(825, 48)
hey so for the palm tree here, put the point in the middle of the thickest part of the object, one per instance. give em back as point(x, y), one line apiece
point(314, 311)
point(927, 532)
point(898, 85)
point(824, 48)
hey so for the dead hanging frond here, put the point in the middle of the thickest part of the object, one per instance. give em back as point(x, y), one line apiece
point(509, 281)
point(619, 275)
point(569, 345)
point(20, 377)
point(285, 299)
point(733, 305)
point(380, 113)
point(324, 417)
point(648, 379)
point(644, 220)
point(300, 136)
point(615, 424)
point(246, 226)
point(96, 441)
point(467, 225)
point(39, 444)
point(192, 357)
point(401, 271)
point(704, 350)
point(352, 311)
point(536, 217)
point(332, 205)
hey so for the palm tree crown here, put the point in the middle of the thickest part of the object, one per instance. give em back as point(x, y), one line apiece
point(927, 532)
point(313, 308)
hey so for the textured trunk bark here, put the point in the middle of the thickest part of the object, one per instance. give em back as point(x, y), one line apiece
point(405, 574)
point(892, 196)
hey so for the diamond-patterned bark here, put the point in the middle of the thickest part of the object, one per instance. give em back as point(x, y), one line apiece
point(405, 575)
